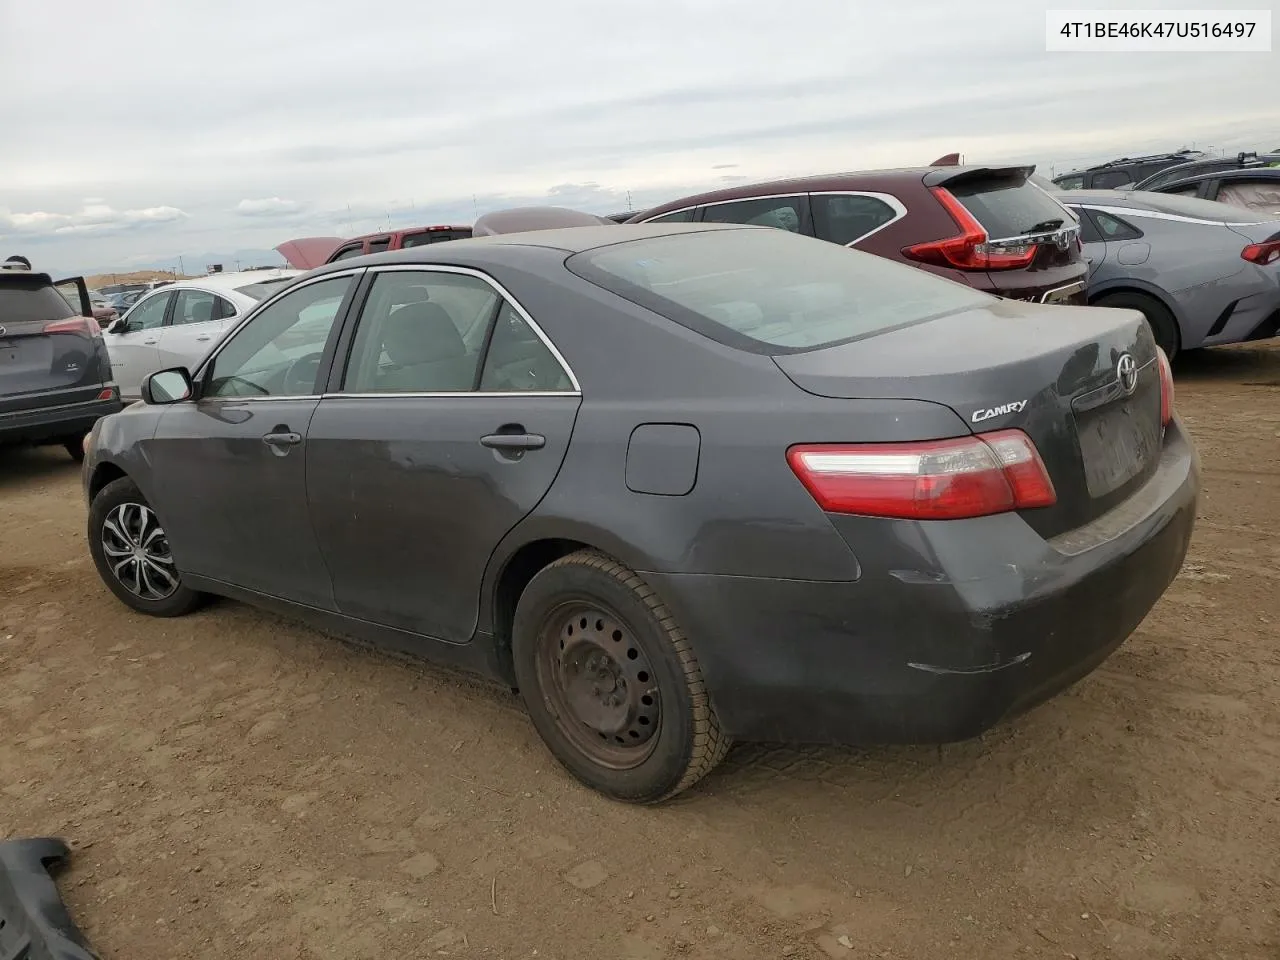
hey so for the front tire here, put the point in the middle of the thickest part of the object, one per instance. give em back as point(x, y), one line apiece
point(131, 551)
point(611, 683)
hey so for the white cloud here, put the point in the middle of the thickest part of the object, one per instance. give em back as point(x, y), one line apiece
point(91, 218)
point(266, 207)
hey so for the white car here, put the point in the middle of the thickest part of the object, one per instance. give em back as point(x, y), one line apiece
point(177, 324)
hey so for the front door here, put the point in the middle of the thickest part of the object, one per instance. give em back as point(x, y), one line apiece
point(447, 428)
point(133, 342)
point(235, 499)
point(197, 322)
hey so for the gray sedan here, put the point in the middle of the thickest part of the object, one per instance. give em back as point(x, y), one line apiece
point(1203, 273)
point(678, 483)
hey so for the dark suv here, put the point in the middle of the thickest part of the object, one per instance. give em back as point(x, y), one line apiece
point(1122, 174)
point(55, 376)
point(988, 227)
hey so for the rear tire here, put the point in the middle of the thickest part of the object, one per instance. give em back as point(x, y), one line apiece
point(75, 447)
point(131, 551)
point(1162, 323)
point(611, 683)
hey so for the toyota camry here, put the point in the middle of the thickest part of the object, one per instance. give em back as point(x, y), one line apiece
point(677, 484)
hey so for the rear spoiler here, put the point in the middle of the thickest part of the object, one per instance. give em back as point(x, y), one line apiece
point(941, 176)
point(950, 160)
point(307, 253)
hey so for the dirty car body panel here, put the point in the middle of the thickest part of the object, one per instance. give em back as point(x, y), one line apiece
point(664, 442)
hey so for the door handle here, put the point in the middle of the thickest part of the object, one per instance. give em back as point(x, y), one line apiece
point(514, 441)
point(204, 336)
point(285, 439)
point(151, 343)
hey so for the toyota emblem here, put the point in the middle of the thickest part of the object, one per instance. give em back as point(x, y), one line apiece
point(3, 331)
point(1127, 373)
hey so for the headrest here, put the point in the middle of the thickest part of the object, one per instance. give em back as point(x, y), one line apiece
point(421, 333)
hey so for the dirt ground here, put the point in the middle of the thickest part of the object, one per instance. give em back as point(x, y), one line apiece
point(238, 786)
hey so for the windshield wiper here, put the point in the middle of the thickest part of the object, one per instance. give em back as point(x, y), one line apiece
point(1044, 226)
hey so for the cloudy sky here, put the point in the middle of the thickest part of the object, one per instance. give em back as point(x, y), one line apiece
point(143, 130)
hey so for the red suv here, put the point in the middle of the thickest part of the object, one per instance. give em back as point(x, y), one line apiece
point(988, 227)
point(307, 253)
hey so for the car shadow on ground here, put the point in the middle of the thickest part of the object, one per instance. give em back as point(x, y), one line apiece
point(23, 465)
point(1250, 365)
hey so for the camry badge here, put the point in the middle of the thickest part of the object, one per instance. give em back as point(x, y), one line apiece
point(1014, 407)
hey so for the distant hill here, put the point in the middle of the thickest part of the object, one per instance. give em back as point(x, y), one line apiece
point(136, 276)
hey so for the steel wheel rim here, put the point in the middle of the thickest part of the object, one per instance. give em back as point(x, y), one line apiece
point(137, 552)
point(600, 684)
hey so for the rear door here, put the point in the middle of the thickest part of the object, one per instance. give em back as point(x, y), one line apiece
point(134, 342)
point(48, 351)
point(446, 428)
point(196, 324)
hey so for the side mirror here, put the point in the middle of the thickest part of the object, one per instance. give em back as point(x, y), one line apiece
point(168, 386)
point(116, 325)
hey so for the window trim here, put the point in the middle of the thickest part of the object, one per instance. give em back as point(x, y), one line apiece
point(502, 292)
point(156, 294)
point(899, 210)
point(204, 368)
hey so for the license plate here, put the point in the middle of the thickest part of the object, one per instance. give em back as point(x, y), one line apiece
point(1116, 445)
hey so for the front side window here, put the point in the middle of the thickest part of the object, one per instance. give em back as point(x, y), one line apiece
point(781, 212)
point(847, 218)
point(149, 313)
point(1070, 182)
point(421, 332)
point(277, 353)
point(1111, 179)
point(768, 291)
point(346, 253)
point(200, 306)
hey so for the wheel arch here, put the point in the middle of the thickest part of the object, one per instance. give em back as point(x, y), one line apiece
point(519, 559)
point(1142, 288)
point(104, 472)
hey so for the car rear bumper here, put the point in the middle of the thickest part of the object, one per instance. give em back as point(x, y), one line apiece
point(951, 627)
point(55, 421)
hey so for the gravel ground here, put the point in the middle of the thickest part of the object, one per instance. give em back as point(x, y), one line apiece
point(238, 786)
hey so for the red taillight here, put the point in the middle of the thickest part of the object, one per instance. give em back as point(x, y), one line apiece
point(86, 325)
point(107, 393)
point(1262, 253)
point(1166, 387)
point(971, 249)
point(934, 480)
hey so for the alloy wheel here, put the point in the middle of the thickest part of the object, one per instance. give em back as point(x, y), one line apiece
point(137, 552)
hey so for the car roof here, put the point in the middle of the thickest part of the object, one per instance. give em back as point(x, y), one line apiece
point(400, 230)
point(230, 281)
point(1168, 205)
point(1237, 173)
point(504, 247)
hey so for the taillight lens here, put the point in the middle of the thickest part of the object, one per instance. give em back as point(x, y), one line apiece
point(1166, 387)
point(1262, 253)
point(971, 249)
point(934, 480)
point(86, 325)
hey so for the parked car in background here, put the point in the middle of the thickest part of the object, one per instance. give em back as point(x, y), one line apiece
point(889, 508)
point(55, 377)
point(1202, 273)
point(1241, 161)
point(1122, 174)
point(987, 227)
point(179, 323)
point(524, 219)
point(307, 253)
point(1254, 189)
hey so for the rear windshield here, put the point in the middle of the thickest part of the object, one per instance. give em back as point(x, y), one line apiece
point(770, 291)
point(1195, 207)
point(1009, 208)
point(24, 299)
point(263, 288)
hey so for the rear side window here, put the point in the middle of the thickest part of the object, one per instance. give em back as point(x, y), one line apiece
point(1009, 208)
point(1111, 179)
point(1113, 228)
point(768, 291)
point(378, 246)
point(846, 218)
point(785, 213)
point(675, 216)
point(23, 299)
point(1185, 203)
point(1261, 197)
point(1070, 183)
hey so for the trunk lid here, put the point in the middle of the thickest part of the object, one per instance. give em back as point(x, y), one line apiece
point(1051, 371)
point(307, 253)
